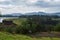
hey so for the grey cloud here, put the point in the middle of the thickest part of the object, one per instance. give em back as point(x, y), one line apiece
point(5, 3)
point(21, 5)
point(43, 3)
point(39, 3)
point(13, 2)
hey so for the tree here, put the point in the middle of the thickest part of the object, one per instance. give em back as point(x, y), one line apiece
point(57, 27)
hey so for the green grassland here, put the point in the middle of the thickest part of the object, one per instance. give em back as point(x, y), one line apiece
point(18, 21)
point(7, 36)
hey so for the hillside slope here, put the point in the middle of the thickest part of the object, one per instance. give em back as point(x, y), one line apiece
point(7, 36)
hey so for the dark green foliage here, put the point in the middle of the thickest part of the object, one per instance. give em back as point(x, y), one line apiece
point(57, 27)
point(33, 24)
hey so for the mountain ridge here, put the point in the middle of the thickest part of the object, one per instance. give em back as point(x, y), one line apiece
point(34, 13)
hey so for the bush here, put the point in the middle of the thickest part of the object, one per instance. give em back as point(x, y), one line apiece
point(26, 28)
point(57, 27)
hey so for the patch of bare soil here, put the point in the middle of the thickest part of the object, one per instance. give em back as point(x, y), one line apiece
point(46, 34)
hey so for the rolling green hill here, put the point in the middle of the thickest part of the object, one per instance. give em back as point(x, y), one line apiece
point(19, 21)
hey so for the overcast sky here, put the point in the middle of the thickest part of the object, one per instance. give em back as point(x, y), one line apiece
point(23, 6)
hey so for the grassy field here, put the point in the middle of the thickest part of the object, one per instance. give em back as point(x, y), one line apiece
point(7, 36)
point(19, 21)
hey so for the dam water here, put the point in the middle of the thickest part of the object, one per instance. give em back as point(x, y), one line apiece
point(2, 18)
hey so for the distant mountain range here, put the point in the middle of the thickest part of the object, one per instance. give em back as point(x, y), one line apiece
point(16, 14)
point(12, 14)
point(58, 14)
point(43, 13)
point(33, 13)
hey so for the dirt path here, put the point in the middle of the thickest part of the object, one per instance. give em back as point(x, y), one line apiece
point(46, 34)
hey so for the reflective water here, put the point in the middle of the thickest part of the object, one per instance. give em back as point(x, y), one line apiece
point(2, 18)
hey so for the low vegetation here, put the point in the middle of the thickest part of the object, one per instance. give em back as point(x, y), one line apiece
point(30, 25)
point(8, 36)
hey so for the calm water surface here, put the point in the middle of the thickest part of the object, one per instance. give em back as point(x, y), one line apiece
point(2, 18)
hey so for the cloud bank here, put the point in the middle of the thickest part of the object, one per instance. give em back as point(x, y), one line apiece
point(23, 6)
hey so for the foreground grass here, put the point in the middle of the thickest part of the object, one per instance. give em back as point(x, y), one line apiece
point(7, 36)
